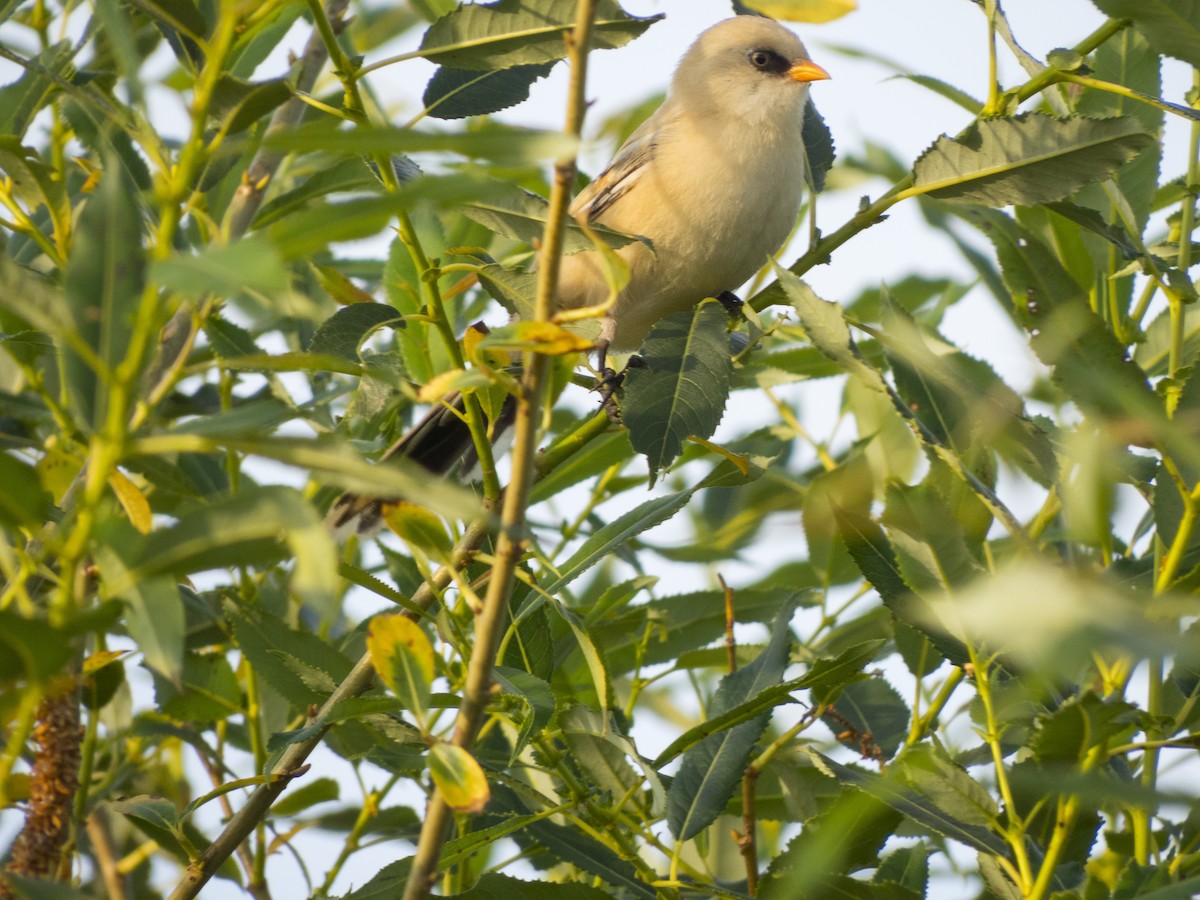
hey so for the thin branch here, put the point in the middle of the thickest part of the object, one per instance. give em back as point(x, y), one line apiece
point(530, 406)
point(250, 192)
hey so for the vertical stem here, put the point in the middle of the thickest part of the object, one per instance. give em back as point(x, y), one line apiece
point(530, 402)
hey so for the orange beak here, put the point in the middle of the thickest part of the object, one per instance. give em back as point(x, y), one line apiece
point(806, 70)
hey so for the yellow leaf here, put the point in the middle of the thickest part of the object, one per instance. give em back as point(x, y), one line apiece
point(97, 661)
point(133, 501)
point(740, 462)
point(57, 469)
point(339, 287)
point(454, 380)
point(814, 11)
point(403, 659)
point(419, 527)
point(537, 337)
point(459, 778)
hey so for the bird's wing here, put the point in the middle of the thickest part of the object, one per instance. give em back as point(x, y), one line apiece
point(622, 173)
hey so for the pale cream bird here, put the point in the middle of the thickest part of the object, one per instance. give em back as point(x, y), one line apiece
point(714, 179)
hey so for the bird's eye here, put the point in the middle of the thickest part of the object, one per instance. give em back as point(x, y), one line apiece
point(760, 59)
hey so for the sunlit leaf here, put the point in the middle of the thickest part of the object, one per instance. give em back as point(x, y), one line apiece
point(509, 33)
point(403, 659)
point(1028, 159)
point(814, 11)
point(459, 778)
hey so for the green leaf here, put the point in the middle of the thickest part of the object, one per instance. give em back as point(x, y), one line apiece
point(1068, 733)
point(267, 641)
point(461, 93)
point(819, 152)
point(496, 886)
point(844, 837)
point(247, 530)
point(300, 798)
point(344, 332)
point(659, 631)
point(961, 400)
point(1127, 59)
point(712, 769)
point(21, 100)
point(928, 771)
point(505, 146)
point(521, 216)
point(575, 847)
point(596, 746)
point(1088, 361)
point(918, 807)
point(251, 265)
point(206, 690)
point(825, 326)
point(874, 714)
point(239, 104)
point(31, 649)
point(908, 867)
point(327, 176)
point(23, 501)
point(531, 648)
point(103, 281)
point(511, 33)
point(1028, 159)
point(681, 389)
point(1171, 26)
point(539, 702)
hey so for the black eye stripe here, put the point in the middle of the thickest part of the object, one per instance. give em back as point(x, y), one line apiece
point(768, 61)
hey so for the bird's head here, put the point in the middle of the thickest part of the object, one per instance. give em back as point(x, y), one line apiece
point(747, 68)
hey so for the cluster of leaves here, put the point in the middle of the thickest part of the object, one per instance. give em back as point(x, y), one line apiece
point(174, 310)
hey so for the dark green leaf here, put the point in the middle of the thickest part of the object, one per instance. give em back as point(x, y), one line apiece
point(712, 769)
point(681, 390)
point(21, 100)
point(537, 697)
point(869, 717)
point(239, 104)
point(819, 150)
point(103, 282)
point(344, 332)
point(22, 500)
point(31, 649)
point(461, 93)
point(267, 640)
point(1171, 26)
point(918, 807)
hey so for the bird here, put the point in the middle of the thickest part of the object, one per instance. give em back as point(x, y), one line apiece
point(713, 182)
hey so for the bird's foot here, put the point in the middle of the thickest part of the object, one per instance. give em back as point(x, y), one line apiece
point(607, 385)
